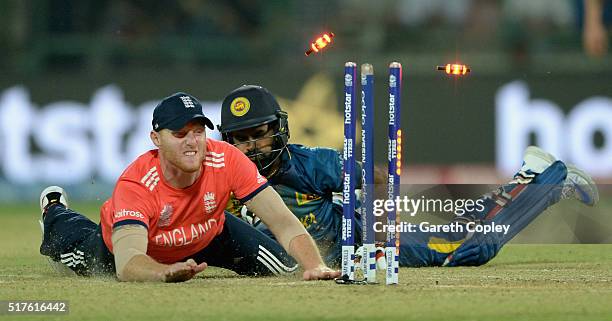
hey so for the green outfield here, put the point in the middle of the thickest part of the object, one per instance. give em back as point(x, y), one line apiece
point(525, 282)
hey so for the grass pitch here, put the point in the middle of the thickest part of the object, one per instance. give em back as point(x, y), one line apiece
point(524, 282)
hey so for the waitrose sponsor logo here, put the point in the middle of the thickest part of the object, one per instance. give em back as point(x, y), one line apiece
point(128, 213)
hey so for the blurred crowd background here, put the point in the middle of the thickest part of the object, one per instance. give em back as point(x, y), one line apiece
point(98, 36)
point(56, 53)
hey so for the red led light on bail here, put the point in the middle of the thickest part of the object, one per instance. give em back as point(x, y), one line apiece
point(320, 43)
point(454, 69)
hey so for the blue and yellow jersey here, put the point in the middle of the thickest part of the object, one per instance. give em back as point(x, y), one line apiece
point(306, 181)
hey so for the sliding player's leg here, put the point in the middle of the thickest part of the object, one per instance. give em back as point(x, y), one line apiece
point(540, 183)
point(71, 241)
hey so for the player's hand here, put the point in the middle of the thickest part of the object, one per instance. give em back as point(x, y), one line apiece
point(183, 271)
point(321, 272)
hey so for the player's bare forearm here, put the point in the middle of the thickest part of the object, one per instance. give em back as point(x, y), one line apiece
point(133, 264)
point(142, 268)
point(304, 250)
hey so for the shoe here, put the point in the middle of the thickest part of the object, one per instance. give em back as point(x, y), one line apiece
point(49, 196)
point(52, 195)
point(536, 160)
point(580, 185)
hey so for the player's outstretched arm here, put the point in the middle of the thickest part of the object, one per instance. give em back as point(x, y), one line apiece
point(290, 233)
point(133, 264)
point(143, 268)
point(317, 271)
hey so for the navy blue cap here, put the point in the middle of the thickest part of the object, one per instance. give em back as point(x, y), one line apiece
point(175, 111)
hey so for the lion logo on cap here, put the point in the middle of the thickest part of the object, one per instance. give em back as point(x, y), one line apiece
point(240, 106)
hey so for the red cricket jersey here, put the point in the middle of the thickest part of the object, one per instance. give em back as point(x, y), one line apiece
point(180, 222)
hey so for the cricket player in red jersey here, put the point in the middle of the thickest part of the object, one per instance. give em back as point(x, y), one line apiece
point(165, 220)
